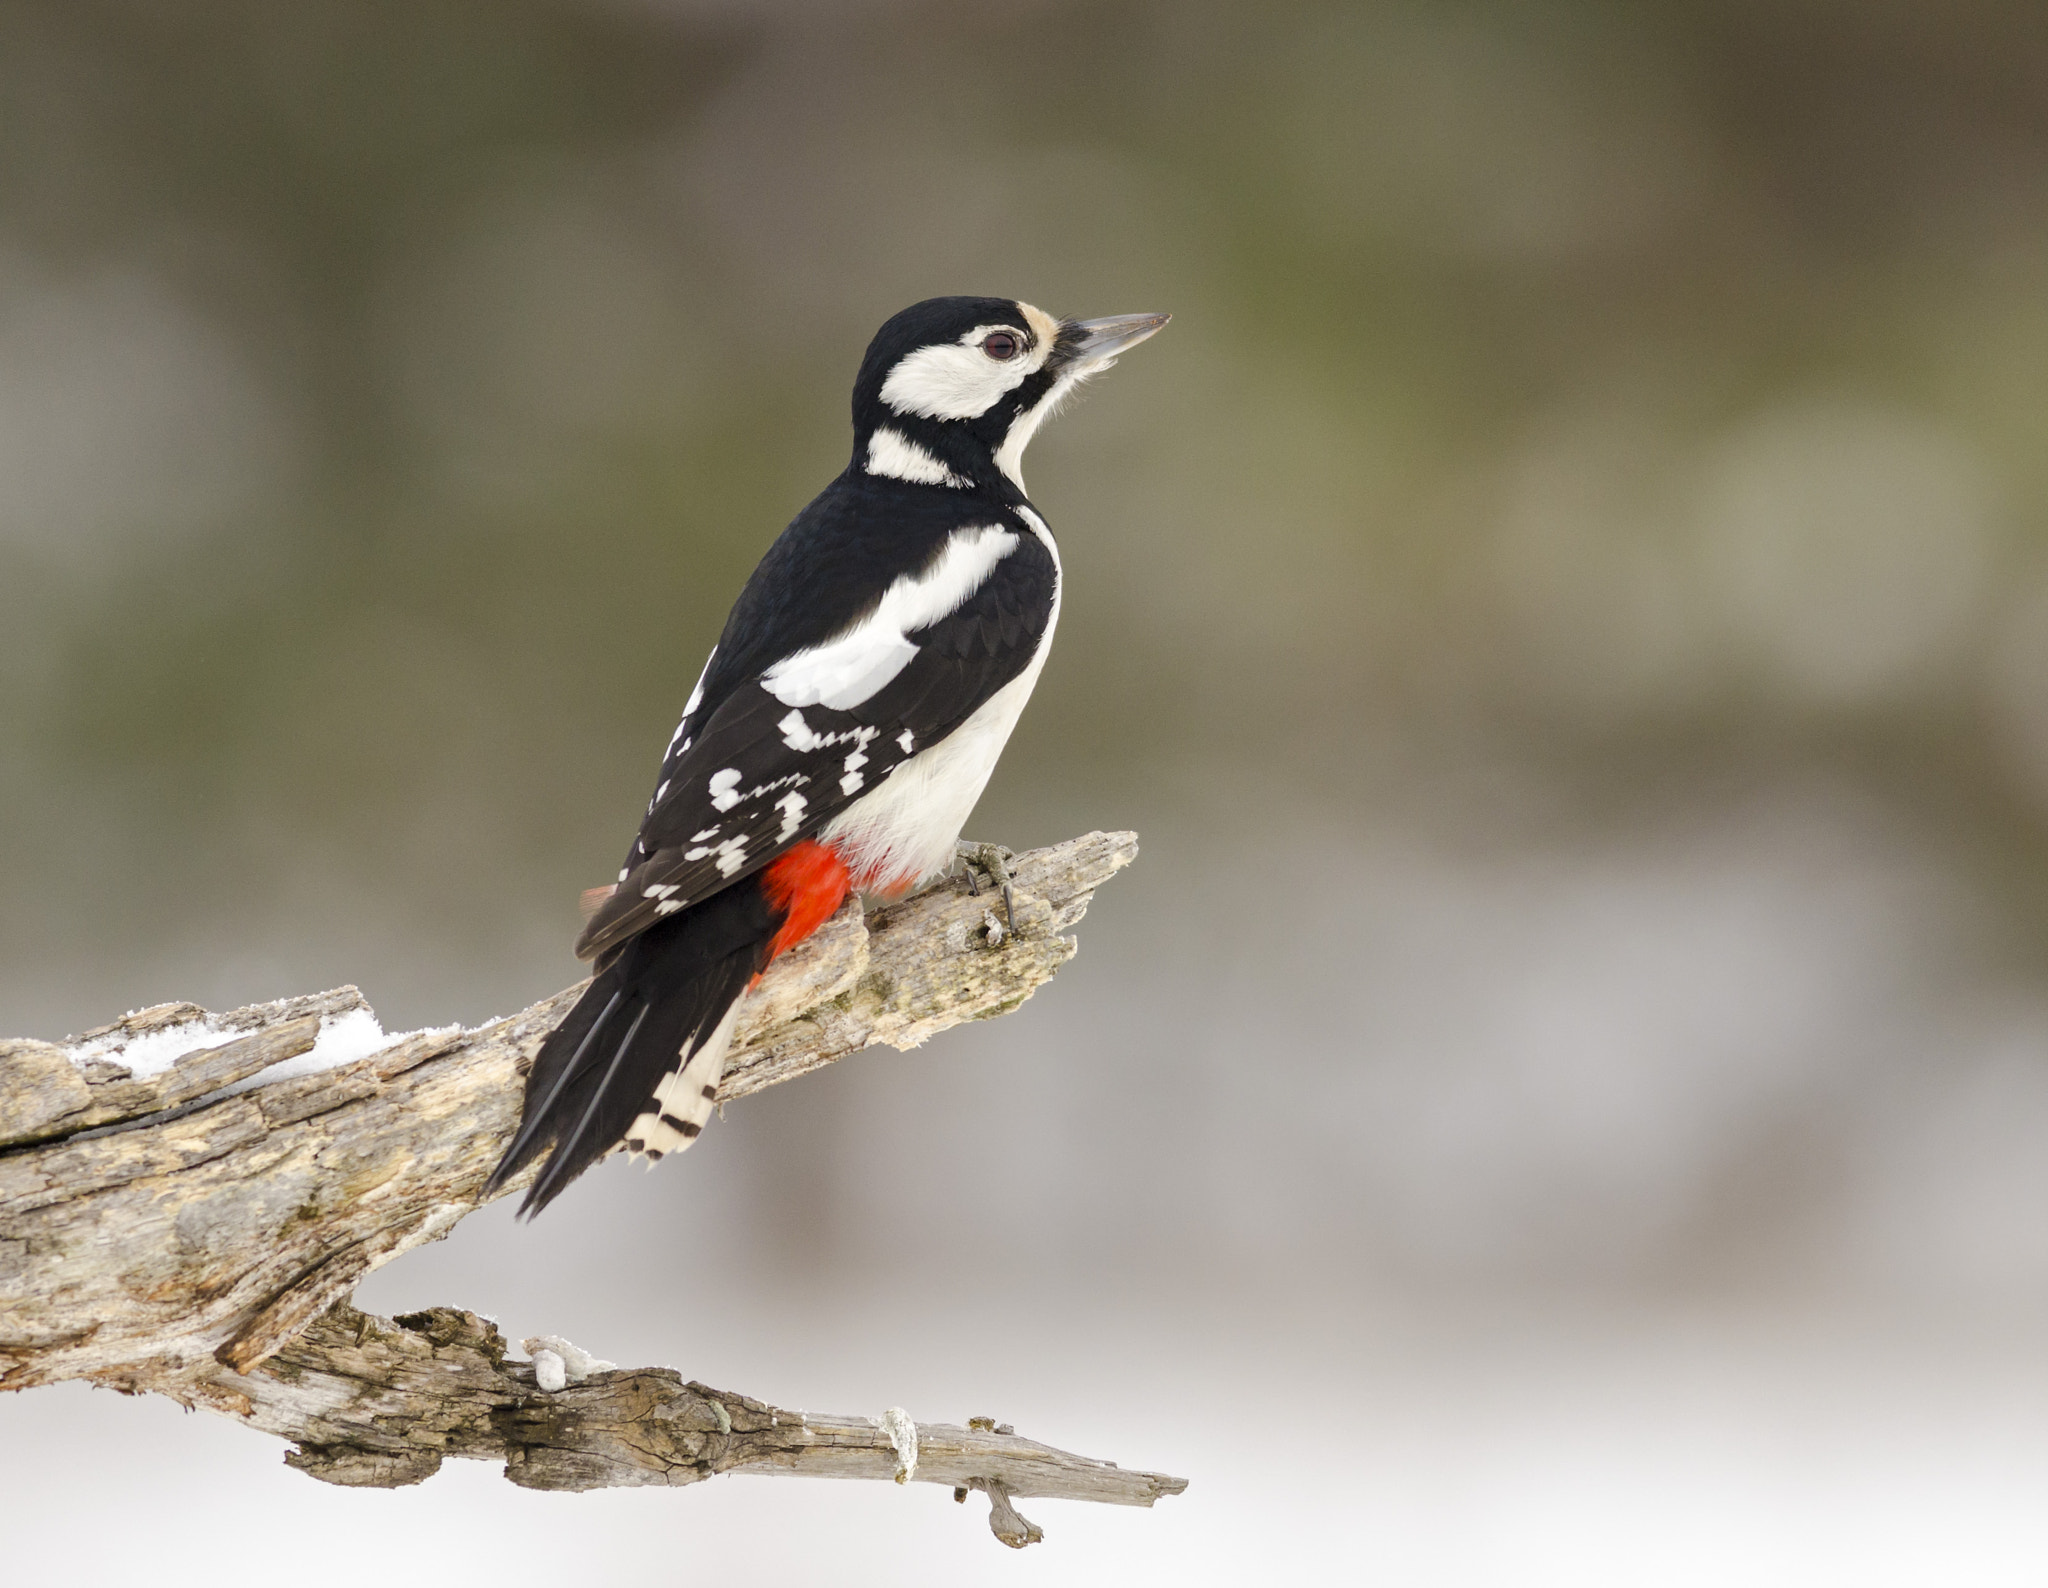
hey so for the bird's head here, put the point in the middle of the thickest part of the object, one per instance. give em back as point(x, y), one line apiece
point(953, 389)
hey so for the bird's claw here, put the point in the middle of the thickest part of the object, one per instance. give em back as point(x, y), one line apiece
point(992, 859)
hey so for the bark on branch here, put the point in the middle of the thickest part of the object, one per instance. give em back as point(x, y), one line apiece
point(194, 1230)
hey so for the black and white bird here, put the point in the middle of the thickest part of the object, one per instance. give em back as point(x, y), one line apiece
point(844, 726)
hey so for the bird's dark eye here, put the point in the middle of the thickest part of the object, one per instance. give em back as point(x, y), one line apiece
point(1000, 346)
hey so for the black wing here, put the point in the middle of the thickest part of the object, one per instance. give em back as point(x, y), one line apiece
point(760, 775)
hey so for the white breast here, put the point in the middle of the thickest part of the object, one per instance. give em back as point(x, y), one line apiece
point(905, 830)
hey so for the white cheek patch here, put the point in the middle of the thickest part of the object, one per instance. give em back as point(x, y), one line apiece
point(844, 672)
point(950, 382)
point(957, 380)
point(893, 453)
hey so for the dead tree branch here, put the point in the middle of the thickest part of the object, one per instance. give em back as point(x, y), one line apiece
point(194, 1230)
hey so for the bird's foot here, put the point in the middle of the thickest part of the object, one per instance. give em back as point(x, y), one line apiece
point(992, 861)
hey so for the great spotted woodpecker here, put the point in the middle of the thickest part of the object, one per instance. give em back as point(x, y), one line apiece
point(842, 730)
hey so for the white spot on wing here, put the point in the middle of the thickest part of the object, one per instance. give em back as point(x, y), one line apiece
point(904, 738)
point(844, 672)
point(792, 805)
point(731, 855)
point(798, 734)
point(723, 785)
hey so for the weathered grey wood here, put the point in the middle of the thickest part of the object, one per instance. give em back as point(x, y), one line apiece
point(50, 1089)
point(204, 1246)
point(382, 1402)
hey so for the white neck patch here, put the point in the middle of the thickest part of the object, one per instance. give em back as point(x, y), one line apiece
point(894, 454)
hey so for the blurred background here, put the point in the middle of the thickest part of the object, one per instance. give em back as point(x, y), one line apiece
point(1565, 606)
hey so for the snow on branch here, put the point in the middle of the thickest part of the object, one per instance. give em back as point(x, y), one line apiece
point(187, 1200)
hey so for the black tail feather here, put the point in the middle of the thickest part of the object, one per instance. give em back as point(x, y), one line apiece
point(553, 1176)
point(530, 1140)
point(673, 985)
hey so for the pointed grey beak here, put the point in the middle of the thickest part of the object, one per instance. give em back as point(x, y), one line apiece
point(1091, 341)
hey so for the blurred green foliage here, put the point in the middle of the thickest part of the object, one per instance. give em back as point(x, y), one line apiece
point(392, 397)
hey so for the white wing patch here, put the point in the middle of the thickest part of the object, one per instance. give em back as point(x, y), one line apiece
point(893, 453)
point(844, 672)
